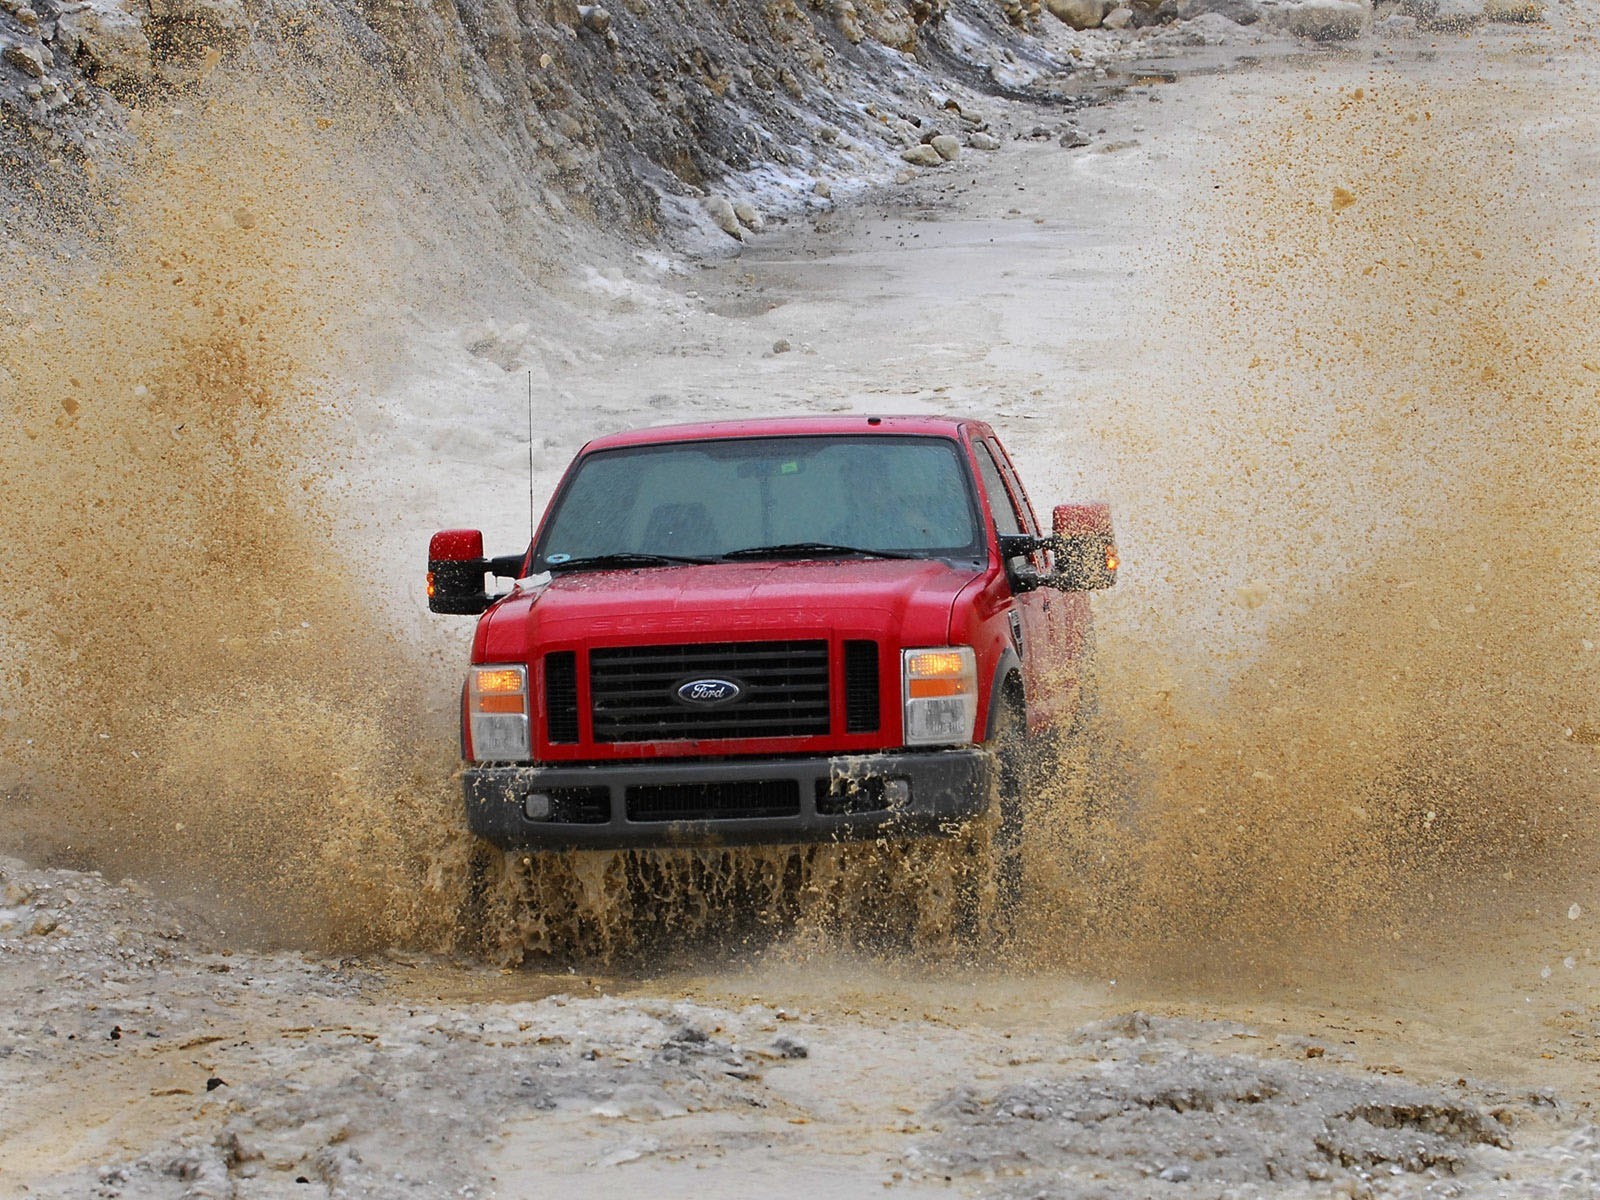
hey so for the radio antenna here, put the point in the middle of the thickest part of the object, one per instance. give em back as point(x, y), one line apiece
point(532, 516)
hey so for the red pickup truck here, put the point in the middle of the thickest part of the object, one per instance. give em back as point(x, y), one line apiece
point(775, 631)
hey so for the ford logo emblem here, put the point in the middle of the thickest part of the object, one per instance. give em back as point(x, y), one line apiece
point(706, 693)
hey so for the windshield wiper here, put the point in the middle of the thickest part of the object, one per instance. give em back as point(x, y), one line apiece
point(624, 558)
point(812, 550)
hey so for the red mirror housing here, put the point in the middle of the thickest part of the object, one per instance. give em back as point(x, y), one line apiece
point(1086, 554)
point(456, 570)
point(455, 545)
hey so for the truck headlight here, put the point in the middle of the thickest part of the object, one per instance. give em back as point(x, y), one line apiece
point(941, 695)
point(497, 712)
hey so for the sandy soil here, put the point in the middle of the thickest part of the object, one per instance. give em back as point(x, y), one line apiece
point(1070, 296)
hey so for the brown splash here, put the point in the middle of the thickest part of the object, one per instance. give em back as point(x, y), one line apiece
point(1363, 621)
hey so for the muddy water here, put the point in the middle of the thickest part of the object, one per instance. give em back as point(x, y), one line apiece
point(194, 688)
point(1323, 340)
point(1359, 675)
point(1327, 359)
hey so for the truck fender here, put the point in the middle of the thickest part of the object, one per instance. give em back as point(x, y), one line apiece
point(1009, 664)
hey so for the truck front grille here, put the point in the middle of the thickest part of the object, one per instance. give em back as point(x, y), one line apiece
point(861, 687)
point(561, 696)
point(783, 691)
point(713, 801)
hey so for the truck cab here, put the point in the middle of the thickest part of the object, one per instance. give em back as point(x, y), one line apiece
point(768, 632)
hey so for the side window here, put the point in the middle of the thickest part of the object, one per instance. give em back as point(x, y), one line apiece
point(1019, 494)
point(1005, 513)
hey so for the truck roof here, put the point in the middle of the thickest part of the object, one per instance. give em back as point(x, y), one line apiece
point(782, 427)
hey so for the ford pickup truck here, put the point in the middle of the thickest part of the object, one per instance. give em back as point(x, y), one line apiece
point(771, 632)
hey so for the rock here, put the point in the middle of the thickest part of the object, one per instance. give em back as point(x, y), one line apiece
point(1240, 12)
point(983, 141)
point(748, 216)
point(922, 156)
point(30, 60)
point(823, 189)
point(720, 210)
point(1449, 14)
point(1072, 139)
point(1321, 20)
point(788, 1047)
point(1514, 11)
point(18, 894)
point(1396, 25)
point(594, 18)
point(108, 39)
point(945, 146)
point(1080, 14)
point(198, 25)
point(781, 346)
point(904, 176)
point(1118, 18)
point(849, 23)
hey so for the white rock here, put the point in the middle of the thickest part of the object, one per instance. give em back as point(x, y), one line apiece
point(1515, 11)
point(822, 188)
point(945, 146)
point(1080, 14)
point(1452, 14)
point(203, 22)
point(720, 210)
point(110, 36)
point(30, 60)
point(1321, 20)
point(749, 216)
point(1240, 12)
point(1118, 18)
point(849, 22)
point(983, 141)
point(1396, 25)
point(922, 156)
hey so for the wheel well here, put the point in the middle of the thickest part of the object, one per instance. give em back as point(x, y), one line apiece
point(1008, 693)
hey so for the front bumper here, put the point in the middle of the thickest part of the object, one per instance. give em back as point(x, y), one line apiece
point(727, 802)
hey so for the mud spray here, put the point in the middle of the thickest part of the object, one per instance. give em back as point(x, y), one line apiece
point(1347, 688)
point(195, 689)
point(1349, 693)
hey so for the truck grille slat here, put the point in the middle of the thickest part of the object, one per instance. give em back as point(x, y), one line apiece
point(861, 702)
point(785, 692)
point(561, 696)
point(713, 801)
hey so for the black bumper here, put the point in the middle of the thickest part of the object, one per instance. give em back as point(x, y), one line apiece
point(727, 802)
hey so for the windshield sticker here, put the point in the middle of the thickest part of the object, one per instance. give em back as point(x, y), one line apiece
point(789, 468)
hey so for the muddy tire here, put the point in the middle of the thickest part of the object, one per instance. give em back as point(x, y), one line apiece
point(989, 872)
point(1009, 746)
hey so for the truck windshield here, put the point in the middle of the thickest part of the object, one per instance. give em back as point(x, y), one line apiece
point(774, 497)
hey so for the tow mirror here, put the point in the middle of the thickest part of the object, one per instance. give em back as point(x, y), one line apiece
point(1086, 548)
point(456, 570)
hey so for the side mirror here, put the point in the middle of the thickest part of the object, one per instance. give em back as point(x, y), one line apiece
point(456, 568)
point(1086, 549)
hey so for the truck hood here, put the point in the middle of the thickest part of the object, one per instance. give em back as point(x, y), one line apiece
point(910, 599)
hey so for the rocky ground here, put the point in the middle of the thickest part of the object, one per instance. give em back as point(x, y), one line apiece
point(1254, 272)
